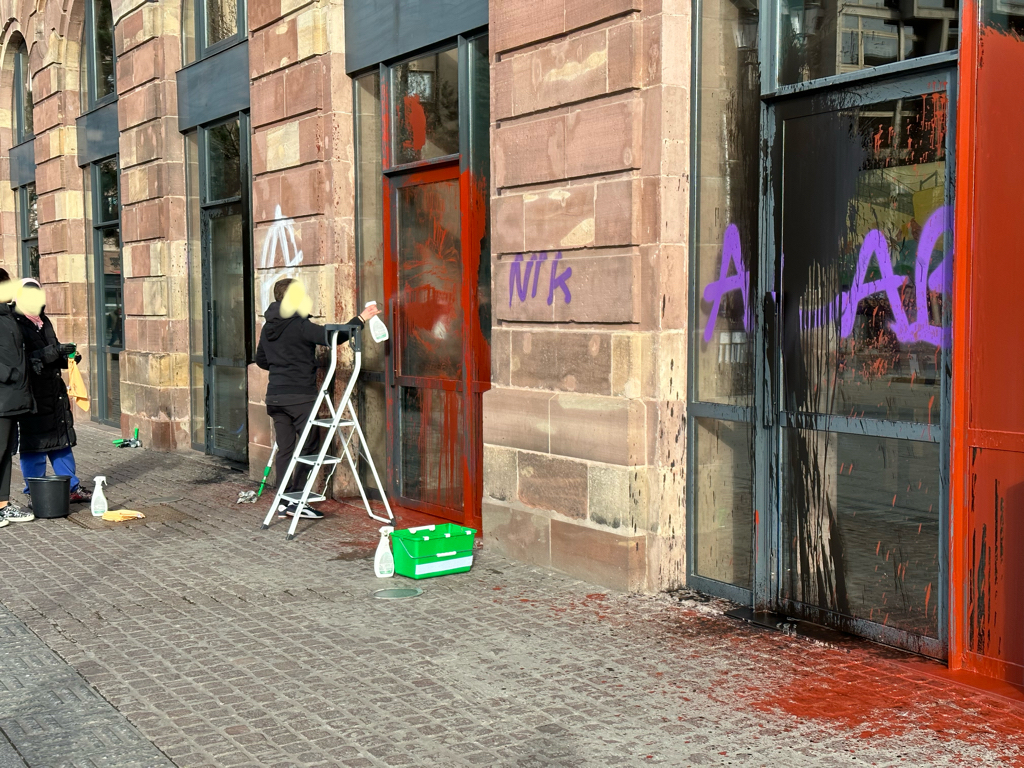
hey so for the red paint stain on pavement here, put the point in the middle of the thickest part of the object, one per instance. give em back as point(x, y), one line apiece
point(876, 704)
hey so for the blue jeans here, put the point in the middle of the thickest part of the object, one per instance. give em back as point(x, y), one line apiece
point(62, 459)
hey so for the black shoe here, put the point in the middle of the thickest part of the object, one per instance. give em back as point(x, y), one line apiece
point(307, 511)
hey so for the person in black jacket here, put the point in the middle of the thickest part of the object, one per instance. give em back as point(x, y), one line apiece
point(15, 399)
point(49, 431)
point(287, 349)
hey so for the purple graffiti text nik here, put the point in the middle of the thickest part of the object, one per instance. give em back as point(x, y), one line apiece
point(521, 287)
point(875, 247)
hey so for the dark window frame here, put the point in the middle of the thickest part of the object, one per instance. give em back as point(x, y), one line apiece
point(27, 238)
point(98, 227)
point(91, 60)
point(202, 47)
point(206, 208)
point(20, 107)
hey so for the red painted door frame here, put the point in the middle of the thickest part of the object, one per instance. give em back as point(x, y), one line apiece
point(475, 370)
point(986, 555)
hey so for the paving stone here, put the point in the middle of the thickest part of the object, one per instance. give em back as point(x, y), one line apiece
point(221, 645)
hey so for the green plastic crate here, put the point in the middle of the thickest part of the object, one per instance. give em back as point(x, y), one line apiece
point(433, 550)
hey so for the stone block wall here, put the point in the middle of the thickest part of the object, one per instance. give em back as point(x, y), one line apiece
point(52, 39)
point(154, 365)
point(584, 451)
point(303, 174)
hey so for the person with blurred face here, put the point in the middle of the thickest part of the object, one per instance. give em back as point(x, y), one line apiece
point(15, 398)
point(287, 349)
point(49, 431)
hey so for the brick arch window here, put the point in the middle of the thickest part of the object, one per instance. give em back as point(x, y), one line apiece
point(209, 26)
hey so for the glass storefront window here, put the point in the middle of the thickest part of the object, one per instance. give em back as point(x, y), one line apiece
point(860, 533)
point(369, 199)
point(28, 229)
point(426, 103)
point(108, 285)
point(195, 290)
point(429, 320)
point(224, 157)
point(818, 39)
point(724, 538)
point(864, 272)
point(109, 205)
point(727, 210)
point(725, 266)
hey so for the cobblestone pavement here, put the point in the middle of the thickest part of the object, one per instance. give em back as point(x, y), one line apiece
point(52, 715)
point(227, 646)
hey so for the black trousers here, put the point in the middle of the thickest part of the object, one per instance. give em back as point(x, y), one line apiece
point(9, 446)
point(288, 423)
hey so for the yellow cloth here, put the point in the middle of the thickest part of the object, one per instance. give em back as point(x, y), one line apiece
point(120, 515)
point(76, 386)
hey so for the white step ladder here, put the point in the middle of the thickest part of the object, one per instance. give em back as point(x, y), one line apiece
point(342, 418)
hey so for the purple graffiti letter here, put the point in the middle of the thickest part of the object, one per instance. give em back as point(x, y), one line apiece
point(559, 281)
point(889, 283)
point(740, 281)
point(940, 280)
point(517, 284)
point(536, 273)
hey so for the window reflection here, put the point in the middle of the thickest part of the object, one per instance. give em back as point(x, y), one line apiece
point(221, 20)
point(864, 272)
point(727, 208)
point(426, 100)
point(109, 205)
point(103, 49)
point(22, 94)
point(820, 39)
point(224, 154)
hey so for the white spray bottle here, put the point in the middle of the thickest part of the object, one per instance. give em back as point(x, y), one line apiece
point(384, 561)
point(378, 331)
point(99, 501)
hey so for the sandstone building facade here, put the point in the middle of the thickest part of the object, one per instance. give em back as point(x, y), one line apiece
point(666, 278)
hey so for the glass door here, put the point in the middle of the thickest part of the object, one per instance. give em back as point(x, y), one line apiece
point(422, 139)
point(429, 398)
point(109, 295)
point(220, 287)
point(226, 317)
point(858, 358)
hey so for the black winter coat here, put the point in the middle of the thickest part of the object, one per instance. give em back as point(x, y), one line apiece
point(287, 349)
point(51, 426)
point(15, 396)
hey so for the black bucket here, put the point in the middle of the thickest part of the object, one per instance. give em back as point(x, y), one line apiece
point(51, 496)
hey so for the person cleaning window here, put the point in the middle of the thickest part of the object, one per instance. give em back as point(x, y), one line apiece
point(287, 349)
point(15, 398)
point(49, 431)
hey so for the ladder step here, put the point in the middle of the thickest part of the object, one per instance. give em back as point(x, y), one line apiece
point(298, 496)
point(311, 459)
point(330, 423)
